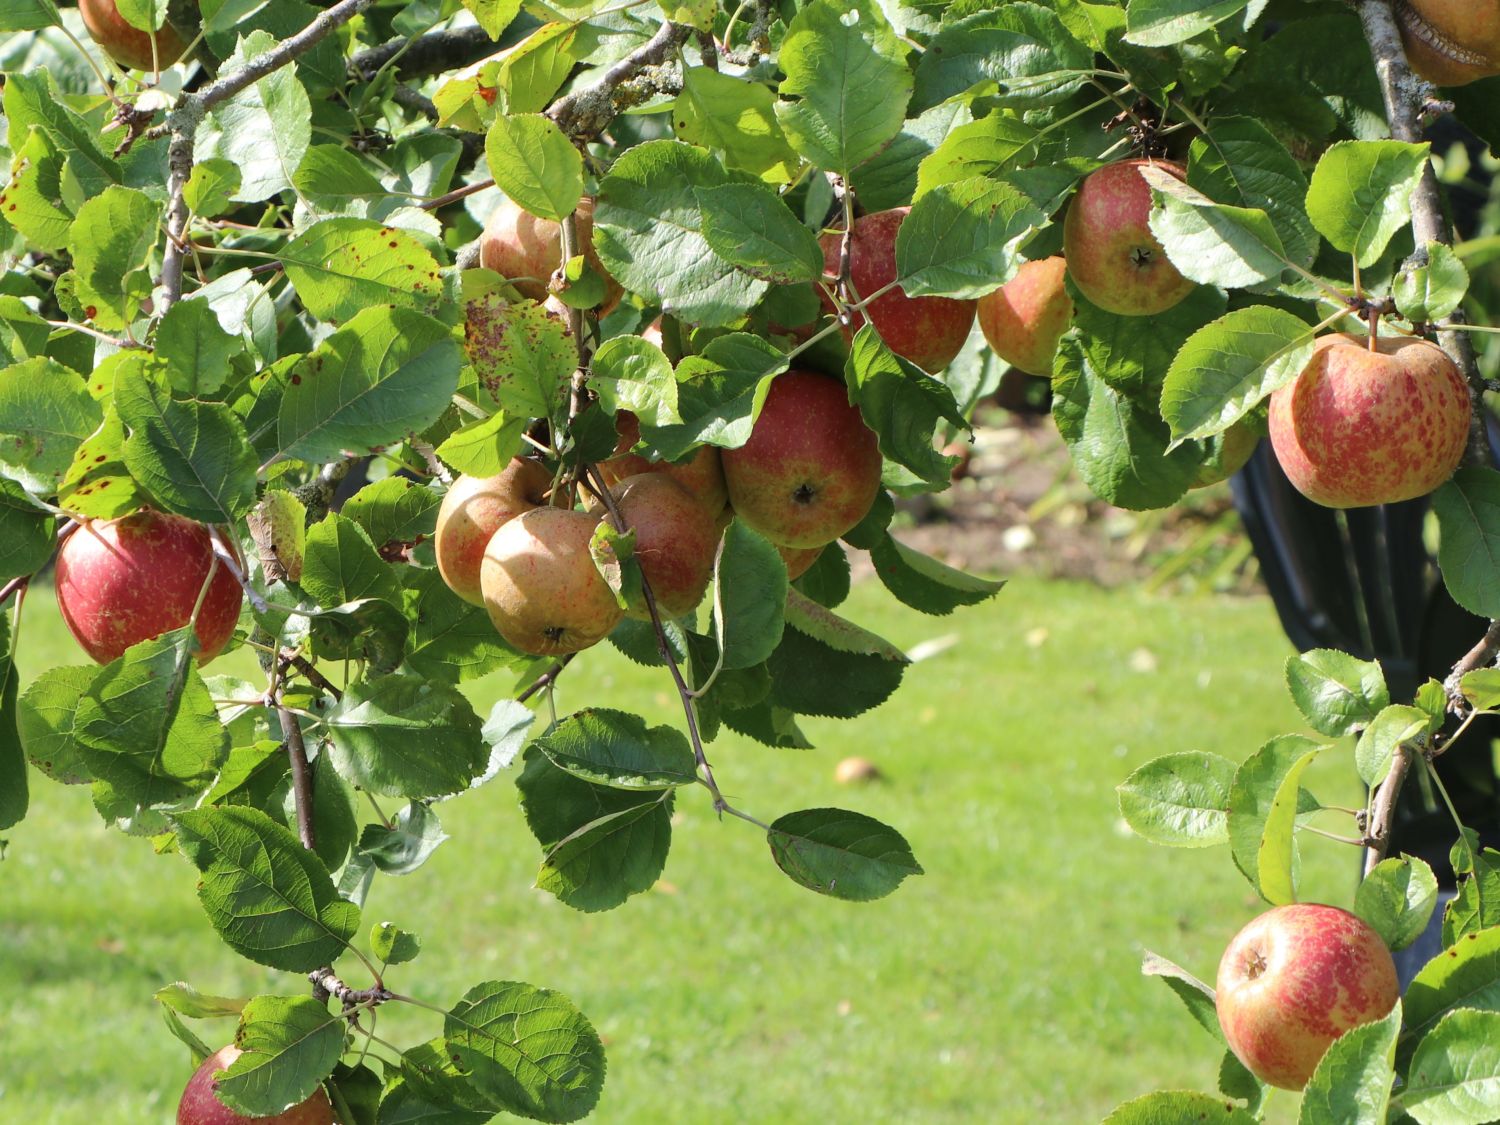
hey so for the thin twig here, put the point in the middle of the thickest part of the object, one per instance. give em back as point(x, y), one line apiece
point(1477, 657)
point(546, 679)
point(302, 784)
point(11, 587)
point(293, 659)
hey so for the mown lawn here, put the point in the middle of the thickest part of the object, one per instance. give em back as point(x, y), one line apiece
point(1002, 986)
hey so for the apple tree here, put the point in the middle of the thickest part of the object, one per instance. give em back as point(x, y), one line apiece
point(632, 319)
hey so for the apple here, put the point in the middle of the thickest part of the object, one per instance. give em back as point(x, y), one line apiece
point(798, 560)
point(120, 582)
point(811, 469)
point(702, 474)
point(1227, 454)
point(929, 331)
point(528, 250)
point(856, 771)
point(541, 587)
point(129, 46)
point(1025, 317)
point(199, 1106)
point(1451, 42)
point(1360, 427)
point(675, 542)
point(473, 510)
point(1113, 257)
point(1293, 981)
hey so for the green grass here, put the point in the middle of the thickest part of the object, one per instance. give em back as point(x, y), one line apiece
point(1001, 986)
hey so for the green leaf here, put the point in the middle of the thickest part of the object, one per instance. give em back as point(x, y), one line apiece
point(385, 374)
point(902, 404)
point(1352, 1082)
point(493, 15)
point(46, 412)
point(414, 834)
point(396, 510)
point(111, 240)
point(717, 393)
point(615, 749)
point(213, 184)
point(404, 736)
point(521, 353)
point(289, 1044)
point(15, 794)
point(1476, 906)
point(736, 117)
point(828, 666)
point(1481, 688)
point(184, 998)
point(1392, 728)
point(1179, 1107)
point(846, 86)
point(1335, 692)
point(1434, 288)
point(264, 130)
point(1162, 23)
point(1262, 813)
point(25, 532)
point(890, 178)
point(535, 165)
point(1180, 800)
point(1196, 997)
point(485, 447)
point(269, 898)
point(340, 565)
point(1020, 54)
point(963, 239)
point(1468, 515)
point(1396, 898)
point(924, 583)
point(33, 100)
point(392, 945)
point(1212, 243)
point(1228, 367)
point(843, 854)
point(195, 348)
point(340, 267)
point(33, 200)
point(1360, 194)
point(1465, 976)
point(991, 146)
point(1240, 161)
point(751, 228)
point(1454, 1078)
point(45, 716)
point(28, 15)
point(749, 598)
point(606, 861)
point(529, 1049)
point(629, 373)
point(450, 639)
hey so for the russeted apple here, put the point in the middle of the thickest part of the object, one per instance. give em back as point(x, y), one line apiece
point(1293, 981)
point(1025, 317)
point(811, 469)
point(473, 510)
point(1360, 427)
point(200, 1105)
point(702, 474)
point(129, 46)
point(120, 582)
point(527, 250)
point(675, 542)
point(544, 594)
point(1112, 256)
point(929, 331)
point(1451, 42)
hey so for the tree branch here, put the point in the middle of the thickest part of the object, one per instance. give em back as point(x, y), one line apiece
point(1477, 657)
point(433, 53)
point(302, 786)
point(584, 114)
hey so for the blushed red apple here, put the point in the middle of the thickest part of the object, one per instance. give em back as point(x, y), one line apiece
point(1360, 427)
point(675, 542)
point(527, 250)
point(120, 582)
point(702, 474)
point(1451, 42)
point(473, 510)
point(200, 1106)
point(1025, 317)
point(811, 468)
point(129, 46)
point(1293, 981)
point(929, 331)
point(1113, 257)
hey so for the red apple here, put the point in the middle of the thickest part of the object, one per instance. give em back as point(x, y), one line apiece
point(1293, 981)
point(1451, 42)
point(1361, 427)
point(929, 331)
point(527, 250)
point(702, 474)
point(120, 582)
point(1113, 257)
point(811, 468)
point(129, 46)
point(473, 510)
point(799, 560)
point(540, 584)
point(1025, 317)
point(675, 542)
point(199, 1106)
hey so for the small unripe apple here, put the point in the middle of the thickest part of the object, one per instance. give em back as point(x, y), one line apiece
point(1293, 981)
point(811, 468)
point(473, 510)
point(120, 582)
point(702, 474)
point(1451, 42)
point(129, 46)
point(1025, 317)
point(528, 250)
point(1113, 257)
point(1227, 454)
point(675, 542)
point(1360, 427)
point(929, 331)
point(199, 1105)
point(541, 587)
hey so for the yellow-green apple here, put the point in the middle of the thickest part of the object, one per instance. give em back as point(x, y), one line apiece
point(1113, 257)
point(1025, 317)
point(544, 594)
point(811, 468)
point(799, 560)
point(702, 474)
point(200, 1105)
point(120, 582)
point(473, 510)
point(1227, 454)
point(129, 46)
point(1451, 42)
point(856, 771)
point(1361, 427)
point(527, 250)
point(1293, 981)
point(675, 542)
point(929, 331)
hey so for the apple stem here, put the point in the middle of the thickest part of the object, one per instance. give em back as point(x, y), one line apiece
point(15, 585)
